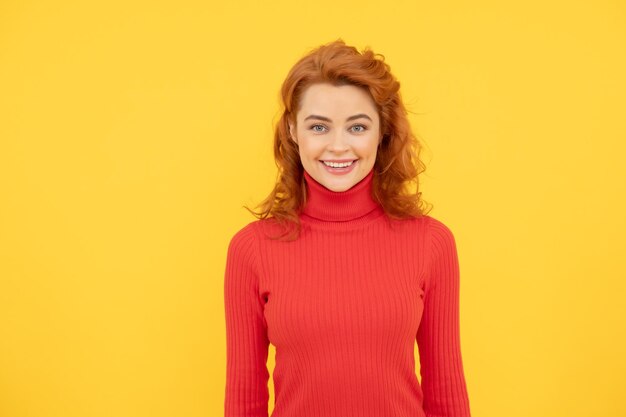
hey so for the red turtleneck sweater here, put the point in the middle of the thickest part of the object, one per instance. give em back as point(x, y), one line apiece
point(344, 305)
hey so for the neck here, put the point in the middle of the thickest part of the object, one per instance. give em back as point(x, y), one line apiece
point(339, 206)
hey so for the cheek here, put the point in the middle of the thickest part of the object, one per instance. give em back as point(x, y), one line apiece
point(309, 150)
point(367, 150)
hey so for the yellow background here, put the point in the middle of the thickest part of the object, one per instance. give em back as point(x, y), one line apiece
point(131, 134)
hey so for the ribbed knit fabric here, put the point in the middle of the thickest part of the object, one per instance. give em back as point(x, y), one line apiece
point(344, 305)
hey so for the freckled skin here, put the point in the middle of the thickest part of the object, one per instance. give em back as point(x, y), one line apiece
point(320, 140)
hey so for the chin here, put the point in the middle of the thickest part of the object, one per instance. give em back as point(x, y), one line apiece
point(340, 184)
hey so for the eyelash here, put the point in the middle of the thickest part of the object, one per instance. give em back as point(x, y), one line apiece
point(317, 131)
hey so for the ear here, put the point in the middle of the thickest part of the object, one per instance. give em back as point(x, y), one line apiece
point(292, 132)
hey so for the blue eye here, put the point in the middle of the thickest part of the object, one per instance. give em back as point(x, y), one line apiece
point(321, 128)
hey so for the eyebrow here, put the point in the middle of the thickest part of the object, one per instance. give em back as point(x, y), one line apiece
point(326, 119)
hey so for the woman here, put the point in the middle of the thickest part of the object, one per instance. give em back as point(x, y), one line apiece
point(343, 271)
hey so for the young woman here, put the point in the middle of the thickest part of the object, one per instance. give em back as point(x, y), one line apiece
point(343, 271)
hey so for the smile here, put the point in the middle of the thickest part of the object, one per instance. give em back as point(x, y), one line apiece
point(338, 164)
point(339, 168)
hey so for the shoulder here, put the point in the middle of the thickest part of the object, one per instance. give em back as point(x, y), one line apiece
point(245, 233)
point(441, 240)
point(437, 229)
point(431, 227)
point(243, 242)
point(441, 253)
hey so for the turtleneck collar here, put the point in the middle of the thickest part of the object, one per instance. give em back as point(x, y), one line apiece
point(340, 206)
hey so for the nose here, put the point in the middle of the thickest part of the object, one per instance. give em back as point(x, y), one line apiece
point(338, 142)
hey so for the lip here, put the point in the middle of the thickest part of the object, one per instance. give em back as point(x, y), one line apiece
point(339, 171)
point(339, 160)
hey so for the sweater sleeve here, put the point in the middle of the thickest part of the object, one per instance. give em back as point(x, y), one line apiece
point(246, 393)
point(438, 338)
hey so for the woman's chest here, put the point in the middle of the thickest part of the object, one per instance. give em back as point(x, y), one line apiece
point(340, 290)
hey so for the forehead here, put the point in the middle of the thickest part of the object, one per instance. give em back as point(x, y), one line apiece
point(331, 100)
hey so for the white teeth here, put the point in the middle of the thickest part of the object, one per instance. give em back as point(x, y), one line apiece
point(338, 164)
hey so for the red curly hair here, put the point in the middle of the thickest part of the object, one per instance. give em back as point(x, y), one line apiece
point(398, 162)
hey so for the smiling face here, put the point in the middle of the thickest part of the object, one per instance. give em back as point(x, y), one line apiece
point(338, 126)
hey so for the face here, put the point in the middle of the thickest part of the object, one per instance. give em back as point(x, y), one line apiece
point(337, 131)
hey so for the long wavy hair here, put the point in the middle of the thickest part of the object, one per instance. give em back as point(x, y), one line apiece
point(398, 162)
